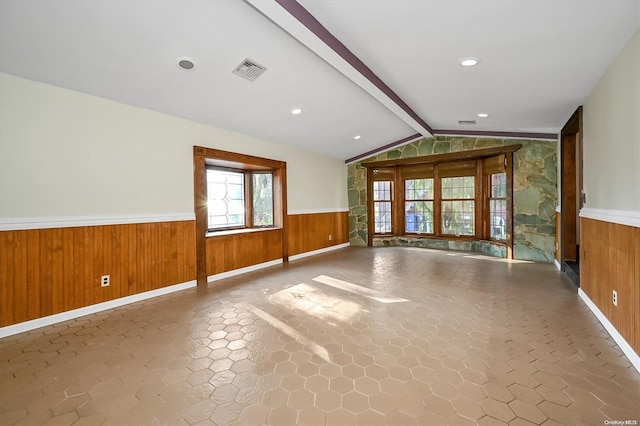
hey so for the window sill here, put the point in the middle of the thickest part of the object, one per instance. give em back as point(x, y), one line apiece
point(240, 231)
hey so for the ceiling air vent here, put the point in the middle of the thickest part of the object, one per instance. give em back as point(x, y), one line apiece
point(467, 122)
point(249, 69)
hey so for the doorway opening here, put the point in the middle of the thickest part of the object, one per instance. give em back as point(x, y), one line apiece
point(572, 195)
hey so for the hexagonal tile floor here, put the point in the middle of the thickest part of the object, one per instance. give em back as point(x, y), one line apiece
point(395, 336)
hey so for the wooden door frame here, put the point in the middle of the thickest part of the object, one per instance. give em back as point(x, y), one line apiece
point(570, 139)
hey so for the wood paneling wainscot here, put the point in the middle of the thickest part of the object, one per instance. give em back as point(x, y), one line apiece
point(48, 271)
point(610, 260)
point(311, 231)
point(227, 252)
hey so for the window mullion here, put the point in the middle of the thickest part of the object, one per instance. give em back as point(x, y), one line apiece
point(248, 199)
point(397, 204)
point(479, 201)
point(437, 202)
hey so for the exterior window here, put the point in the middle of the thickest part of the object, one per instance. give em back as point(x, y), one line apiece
point(262, 199)
point(225, 192)
point(458, 205)
point(382, 207)
point(230, 205)
point(498, 206)
point(418, 205)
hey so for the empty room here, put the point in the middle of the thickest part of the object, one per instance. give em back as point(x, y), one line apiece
point(304, 212)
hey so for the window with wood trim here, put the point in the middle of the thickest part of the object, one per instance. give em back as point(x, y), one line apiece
point(467, 198)
point(251, 196)
point(458, 208)
point(498, 206)
point(382, 206)
point(239, 198)
point(418, 206)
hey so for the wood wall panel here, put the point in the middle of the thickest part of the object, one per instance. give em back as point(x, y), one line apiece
point(48, 271)
point(308, 232)
point(610, 260)
point(234, 251)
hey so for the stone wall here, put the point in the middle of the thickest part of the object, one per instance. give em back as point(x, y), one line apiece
point(534, 189)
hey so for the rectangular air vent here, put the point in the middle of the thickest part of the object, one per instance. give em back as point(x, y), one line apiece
point(249, 69)
point(467, 122)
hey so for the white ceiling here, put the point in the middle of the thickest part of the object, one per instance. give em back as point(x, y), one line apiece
point(539, 60)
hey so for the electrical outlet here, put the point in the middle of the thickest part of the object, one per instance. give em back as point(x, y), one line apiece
point(105, 281)
point(330, 237)
point(615, 298)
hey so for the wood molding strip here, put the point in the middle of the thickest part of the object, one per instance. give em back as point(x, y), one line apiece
point(449, 156)
point(28, 223)
point(621, 217)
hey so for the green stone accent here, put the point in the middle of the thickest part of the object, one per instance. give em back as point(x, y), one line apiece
point(409, 151)
point(535, 196)
point(354, 198)
point(392, 155)
point(441, 148)
point(528, 200)
point(425, 146)
point(468, 143)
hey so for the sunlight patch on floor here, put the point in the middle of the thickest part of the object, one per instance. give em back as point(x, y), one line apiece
point(357, 289)
point(311, 301)
point(293, 333)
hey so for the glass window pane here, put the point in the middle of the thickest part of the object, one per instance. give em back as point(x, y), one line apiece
point(262, 199)
point(458, 217)
point(418, 189)
point(225, 192)
point(382, 217)
point(458, 187)
point(419, 217)
point(498, 217)
point(499, 185)
point(382, 190)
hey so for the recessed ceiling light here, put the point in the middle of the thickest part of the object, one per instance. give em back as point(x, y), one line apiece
point(483, 115)
point(296, 111)
point(357, 137)
point(186, 63)
point(469, 62)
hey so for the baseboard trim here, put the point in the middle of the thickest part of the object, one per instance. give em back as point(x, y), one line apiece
point(25, 223)
point(240, 271)
point(621, 217)
point(558, 265)
point(22, 327)
point(319, 251)
point(634, 358)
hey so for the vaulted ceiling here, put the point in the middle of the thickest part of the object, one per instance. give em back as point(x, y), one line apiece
point(384, 70)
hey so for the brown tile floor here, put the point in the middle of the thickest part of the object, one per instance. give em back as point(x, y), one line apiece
point(418, 337)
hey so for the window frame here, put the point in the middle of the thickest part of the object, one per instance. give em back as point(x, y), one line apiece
point(248, 199)
point(490, 222)
point(384, 200)
point(442, 200)
point(419, 200)
point(477, 163)
point(203, 157)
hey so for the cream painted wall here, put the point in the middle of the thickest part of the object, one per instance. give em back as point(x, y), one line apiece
point(63, 153)
point(612, 135)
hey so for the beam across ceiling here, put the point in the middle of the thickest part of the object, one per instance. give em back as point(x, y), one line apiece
point(298, 22)
point(293, 18)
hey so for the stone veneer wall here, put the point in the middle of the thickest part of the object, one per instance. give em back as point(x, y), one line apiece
point(534, 191)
